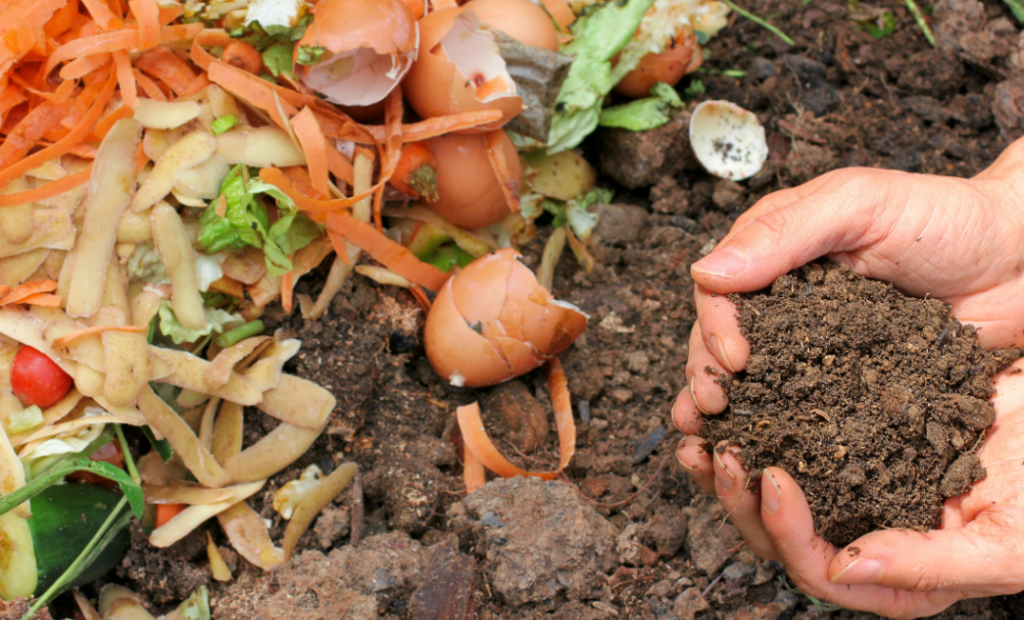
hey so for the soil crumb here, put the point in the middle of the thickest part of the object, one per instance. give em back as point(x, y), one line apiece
point(873, 401)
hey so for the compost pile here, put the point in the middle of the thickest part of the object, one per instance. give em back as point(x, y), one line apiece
point(875, 402)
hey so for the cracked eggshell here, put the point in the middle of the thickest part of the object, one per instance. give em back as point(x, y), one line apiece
point(493, 321)
point(371, 45)
point(469, 191)
point(522, 20)
point(727, 140)
point(459, 69)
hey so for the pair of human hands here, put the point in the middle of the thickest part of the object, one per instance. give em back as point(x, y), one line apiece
point(959, 240)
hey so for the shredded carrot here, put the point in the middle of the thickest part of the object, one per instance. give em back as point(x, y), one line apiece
point(421, 298)
point(51, 189)
point(149, 86)
point(314, 145)
point(125, 79)
point(250, 89)
point(212, 38)
point(304, 261)
point(4, 289)
point(122, 39)
point(164, 65)
point(82, 66)
point(108, 121)
point(62, 20)
point(23, 14)
point(275, 177)
point(473, 472)
point(48, 300)
point(477, 441)
point(27, 289)
point(147, 14)
point(97, 329)
point(391, 254)
point(197, 85)
point(76, 135)
point(26, 133)
point(102, 15)
point(9, 98)
point(166, 512)
point(169, 14)
point(494, 142)
point(340, 167)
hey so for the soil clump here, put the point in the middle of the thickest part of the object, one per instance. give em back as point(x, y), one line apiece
point(873, 401)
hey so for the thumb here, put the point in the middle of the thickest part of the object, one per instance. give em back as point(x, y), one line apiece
point(835, 217)
point(982, 557)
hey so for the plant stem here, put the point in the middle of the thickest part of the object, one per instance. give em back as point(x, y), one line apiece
point(760, 22)
point(1017, 8)
point(240, 333)
point(128, 460)
point(82, 561)
point(919, 18)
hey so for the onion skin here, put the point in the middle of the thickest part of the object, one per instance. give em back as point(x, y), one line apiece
point(469, 192)
point(670, 66)
point(493, 321)
point(522, 20)
point(435, 87)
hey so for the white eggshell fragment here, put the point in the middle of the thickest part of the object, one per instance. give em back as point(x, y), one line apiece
point(728, 140)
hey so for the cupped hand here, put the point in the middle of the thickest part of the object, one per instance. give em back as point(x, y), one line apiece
point(955, 239)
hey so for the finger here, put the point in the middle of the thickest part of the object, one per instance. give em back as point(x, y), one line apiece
point(835, 218)
point(705, 373)
point(732, 483)
point(697, 462)
point(720, 328)
point(772, 202)
point(787, 518)
point(983, 556)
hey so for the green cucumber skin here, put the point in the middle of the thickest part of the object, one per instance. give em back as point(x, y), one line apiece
point(64, 519)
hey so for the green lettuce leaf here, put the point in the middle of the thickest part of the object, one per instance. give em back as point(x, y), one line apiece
point(643, 114)
point(598, 35)
point(216, 319)
point(246, 221)
point(263, 38)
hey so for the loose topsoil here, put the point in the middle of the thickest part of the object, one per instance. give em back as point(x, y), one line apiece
point(624, 534)
point(875, 402)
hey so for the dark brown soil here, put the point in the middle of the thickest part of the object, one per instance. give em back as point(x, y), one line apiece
point(838, 97)
point(873, 401)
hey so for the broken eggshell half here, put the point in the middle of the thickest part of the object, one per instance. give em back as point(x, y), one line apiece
point(493, 321)
point(368, 47)
point(460, 70)
point(727, 140)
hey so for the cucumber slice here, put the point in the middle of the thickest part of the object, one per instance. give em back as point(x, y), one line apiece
point(64, 519)
point(18, 574)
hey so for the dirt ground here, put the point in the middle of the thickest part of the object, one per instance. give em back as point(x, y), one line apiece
point(623, 534)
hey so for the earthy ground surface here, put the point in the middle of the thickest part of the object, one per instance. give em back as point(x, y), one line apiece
point(875, 401)
point(624, 534)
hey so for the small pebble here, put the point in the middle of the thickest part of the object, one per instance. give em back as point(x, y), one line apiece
point(584, 408)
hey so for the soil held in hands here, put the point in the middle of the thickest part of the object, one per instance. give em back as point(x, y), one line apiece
point(875, 402)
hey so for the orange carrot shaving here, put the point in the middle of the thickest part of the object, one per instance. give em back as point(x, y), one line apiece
point(393, 110)
point(197, 84)
point(244, 56)
point(27, 289)
point(51, 189)
point(125, 79)
point(83, 66)
point(314, 145)
point(122, 39)
point(421, 298)
point(4, 289)
point(166, 512)
point(275, 177)
point(211, 38)
point(437, 126)
point(477, 441)
point(250, 89)
point(340, 167)
point(164, 65)
point(48, 300)
point(473, 472)
point(80, 131)
point(169, 14)
point(9, 98)
point(102, 127)
point(97, 329)
point(307, 259)
point(391, 254)
point(494, 142)
point(102, 15)
point(15, 19)
point(147, 14)
point(149, 86)
point(179, 32)
point(62, 20)
point(26, 133)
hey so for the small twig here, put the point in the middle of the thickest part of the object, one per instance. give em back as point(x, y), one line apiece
point(760, 22)
point(919, 18)
point(356, 528)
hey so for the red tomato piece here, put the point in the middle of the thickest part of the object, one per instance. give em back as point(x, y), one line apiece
point(38, 380)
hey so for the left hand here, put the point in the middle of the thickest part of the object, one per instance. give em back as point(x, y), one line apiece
point(978, 551)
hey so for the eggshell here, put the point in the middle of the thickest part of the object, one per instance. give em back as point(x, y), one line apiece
point(522, 20)
point(469, 194)
point(496, 300)
point(727, 140)
point(435, 86)
point(669, 66)
point(371, 45)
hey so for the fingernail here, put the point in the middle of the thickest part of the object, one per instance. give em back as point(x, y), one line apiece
point(717, 344)
point(723, 476)
point(862, 571)
point(772, 497)
point(693, 395)
point(726, 262)
point(680, 459)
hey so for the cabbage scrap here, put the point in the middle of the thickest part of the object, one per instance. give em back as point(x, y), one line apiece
point(644, 114)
